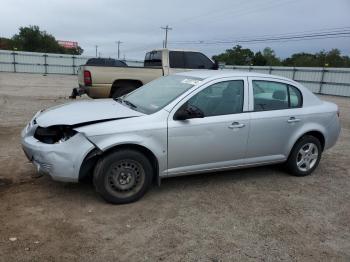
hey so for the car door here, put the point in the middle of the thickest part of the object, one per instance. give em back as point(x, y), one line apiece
point(275, 116)
point(219, 139)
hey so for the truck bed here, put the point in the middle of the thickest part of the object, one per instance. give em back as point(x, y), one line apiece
point(103, 77)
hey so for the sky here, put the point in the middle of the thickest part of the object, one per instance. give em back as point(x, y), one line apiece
point(137, 23)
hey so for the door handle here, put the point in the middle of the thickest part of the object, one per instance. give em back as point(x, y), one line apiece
point(292, 119)
point(236, 125)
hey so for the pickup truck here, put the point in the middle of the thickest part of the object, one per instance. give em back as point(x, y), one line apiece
point(115, 81)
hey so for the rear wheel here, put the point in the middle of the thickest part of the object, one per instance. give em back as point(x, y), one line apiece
point(305, 156)
point(123, 176)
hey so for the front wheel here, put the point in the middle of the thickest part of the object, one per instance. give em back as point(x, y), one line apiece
point(123, 176)
point(305, 156)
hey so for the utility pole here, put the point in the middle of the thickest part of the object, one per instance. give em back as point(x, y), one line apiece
point(96, 46)
point(118, 43)
point(167, 28)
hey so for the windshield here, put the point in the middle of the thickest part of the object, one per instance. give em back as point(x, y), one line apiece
point(158, 93)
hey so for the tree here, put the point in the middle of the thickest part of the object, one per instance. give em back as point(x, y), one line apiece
point(236, 56)
point(301, 59)
point(270, 57)
point(32, 39)
point(332, 58)
point(6, 43)
point(259, 59)
point(244, 56)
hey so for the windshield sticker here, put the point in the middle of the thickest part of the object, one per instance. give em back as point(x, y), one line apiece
point(191, 81)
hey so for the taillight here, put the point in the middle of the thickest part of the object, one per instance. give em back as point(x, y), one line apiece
point(87, 78)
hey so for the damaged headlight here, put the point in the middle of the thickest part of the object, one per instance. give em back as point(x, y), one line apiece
point(54, 134)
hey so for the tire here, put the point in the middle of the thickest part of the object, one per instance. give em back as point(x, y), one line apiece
point(123, 176)
point(122, 90)
point(305, 156)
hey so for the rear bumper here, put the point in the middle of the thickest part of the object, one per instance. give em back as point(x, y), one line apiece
point(61, 161)
point(333, 132)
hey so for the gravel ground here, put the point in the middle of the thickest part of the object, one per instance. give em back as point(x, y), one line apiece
point(256, 214)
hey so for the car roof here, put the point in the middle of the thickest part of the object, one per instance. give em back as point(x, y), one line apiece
point(214, 74)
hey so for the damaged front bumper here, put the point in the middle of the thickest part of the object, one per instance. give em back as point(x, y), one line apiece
point(62, 161)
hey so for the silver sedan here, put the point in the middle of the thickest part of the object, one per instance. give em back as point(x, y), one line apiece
point(193, 122)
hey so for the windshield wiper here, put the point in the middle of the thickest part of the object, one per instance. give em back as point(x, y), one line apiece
point(128, 103)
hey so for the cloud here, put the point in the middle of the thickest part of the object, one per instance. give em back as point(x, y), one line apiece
point(137, 23)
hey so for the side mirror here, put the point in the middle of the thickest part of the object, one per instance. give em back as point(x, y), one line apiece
point(187, 112)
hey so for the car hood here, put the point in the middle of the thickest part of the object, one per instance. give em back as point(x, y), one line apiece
point(85, 112)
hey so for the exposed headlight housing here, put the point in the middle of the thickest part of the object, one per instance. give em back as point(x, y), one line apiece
point(54, 134)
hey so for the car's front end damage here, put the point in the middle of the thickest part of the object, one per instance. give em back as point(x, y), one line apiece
point(57, 151)
point(53, 144)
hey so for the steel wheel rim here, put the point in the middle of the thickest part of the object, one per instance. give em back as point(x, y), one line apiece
point(125, 178)
point(307, 157)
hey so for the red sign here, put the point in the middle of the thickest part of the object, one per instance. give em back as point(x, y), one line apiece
point(68, 44)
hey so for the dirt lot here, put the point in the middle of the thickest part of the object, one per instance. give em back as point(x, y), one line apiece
point(259, 214)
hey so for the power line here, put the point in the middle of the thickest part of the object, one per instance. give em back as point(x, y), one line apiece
point(286, 37)
point(251, 39)
point(328, 30)
point(239, 9)
point(302, 33)
point(294, 37)
point(274, 41)
point(309, 32)
point(167, 28)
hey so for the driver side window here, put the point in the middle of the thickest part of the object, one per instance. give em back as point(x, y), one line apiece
point(222, 98)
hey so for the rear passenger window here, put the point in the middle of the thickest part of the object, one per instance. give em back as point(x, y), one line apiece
point(270, 95)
